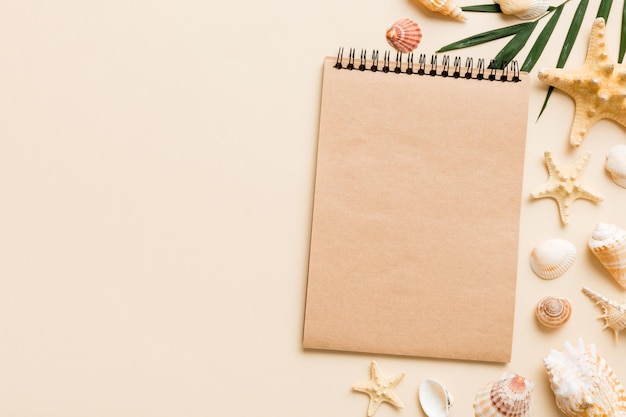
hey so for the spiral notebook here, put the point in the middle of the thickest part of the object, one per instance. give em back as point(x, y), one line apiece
point(414, 238)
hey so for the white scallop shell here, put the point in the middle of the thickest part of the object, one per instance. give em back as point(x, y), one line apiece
point(509, 396)
point(608, 244)
point(616, 164)
point(553, 311)
point(552, 258)
point(583, 384)
point(434, 398)
point(523, 9)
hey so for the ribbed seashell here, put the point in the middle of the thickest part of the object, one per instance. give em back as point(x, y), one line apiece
point(583, 384)
point(508, 396)
point(616, 164)
point(434, 398)
point(404, 35)
point(553, 311)
point(445, 7)
point(550, 259)
point(524, 9)
point(608, 244)
point(613, 314)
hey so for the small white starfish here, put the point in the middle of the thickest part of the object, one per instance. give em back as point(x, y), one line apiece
point(564, 184)
point(380, 389)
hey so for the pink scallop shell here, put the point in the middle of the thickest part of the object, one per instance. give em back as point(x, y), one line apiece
point(404, 35)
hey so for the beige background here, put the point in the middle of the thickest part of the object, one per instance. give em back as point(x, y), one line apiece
point(156, 170)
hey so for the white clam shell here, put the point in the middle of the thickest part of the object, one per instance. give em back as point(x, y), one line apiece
point(524, 9)
point(608, 244)
point(552, 258)
point(616, 164)
point(583, 383)
point(435, 399)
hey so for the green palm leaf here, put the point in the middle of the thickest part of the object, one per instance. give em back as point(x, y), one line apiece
point(542, 40)
point(484, 8)
point(570, 38)
point(486, 36)
point(622, 38)
point(515, 45)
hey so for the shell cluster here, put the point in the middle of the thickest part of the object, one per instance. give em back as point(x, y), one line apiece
point(434, 398)
point(404, 35)
point(446, 8)
point(508, 396)
point(553, 311)
point(583, 384)
point(523, 9)
point(613, 314)
point(608, 244)
point(616, 164)
point(550, 259)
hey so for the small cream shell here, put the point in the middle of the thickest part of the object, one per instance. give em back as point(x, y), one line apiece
point(434, 398)
point(446, 8)
point(608, 244)
point(552, 258)
point(524, 9)
point(616, 164)
point(553, 311)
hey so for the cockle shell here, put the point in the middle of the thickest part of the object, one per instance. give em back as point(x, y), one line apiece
point(434, 398)
point(583, 384)
point(445, 7)
point(553, 311)
point(614, 314)
point(404, 35)
point(552, 258)
point(616, 164)
point(523, 9)
point(508, 396)
point(608, 244)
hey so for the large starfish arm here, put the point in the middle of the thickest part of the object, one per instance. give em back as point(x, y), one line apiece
point(589, 195)
point(583, 120)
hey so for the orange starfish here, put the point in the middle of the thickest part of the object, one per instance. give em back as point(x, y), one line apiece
point(598, 87)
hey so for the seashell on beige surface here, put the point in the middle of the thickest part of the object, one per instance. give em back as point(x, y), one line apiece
point(616, 164)
point(550, 259)
point(553, 311)
point(608, 244)
point(524, 9)
point(404, 35)
point(613, 314)
point(583, 384)
point(508, 396)
point(434, 398)
point(445, 7)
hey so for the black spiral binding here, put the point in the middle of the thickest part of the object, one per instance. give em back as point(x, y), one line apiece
point(494, 71)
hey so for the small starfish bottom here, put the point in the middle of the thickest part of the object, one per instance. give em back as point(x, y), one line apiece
point(379, 389)
point(564, 185)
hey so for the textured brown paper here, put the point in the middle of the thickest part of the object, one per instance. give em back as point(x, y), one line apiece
point(416, 215)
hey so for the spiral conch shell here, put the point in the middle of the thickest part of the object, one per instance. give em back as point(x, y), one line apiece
point(552, 258)
point(435, 399)
point(583, 384)
point(553, 311)
point(508, 396)
point(404, 35)
point(524, 9)
point(614, 314)
point(608, 244)
point(446, 8)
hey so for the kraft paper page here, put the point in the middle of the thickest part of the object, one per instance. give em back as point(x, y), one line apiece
point(416, 215)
